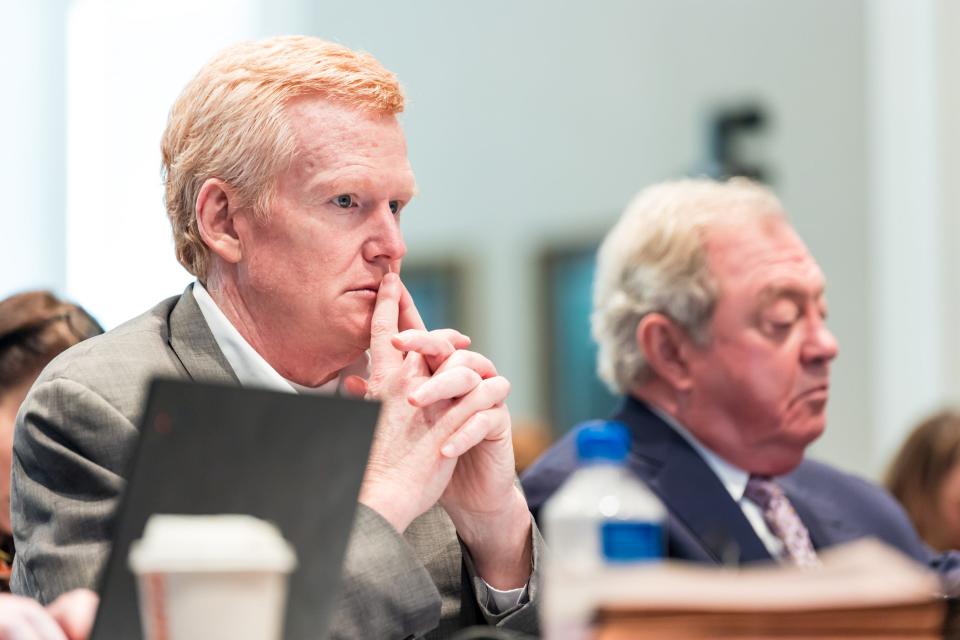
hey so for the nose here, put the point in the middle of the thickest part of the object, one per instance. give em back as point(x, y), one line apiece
point(384, 242)
point(821, 346)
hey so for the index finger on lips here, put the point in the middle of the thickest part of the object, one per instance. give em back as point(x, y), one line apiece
point(383, 326)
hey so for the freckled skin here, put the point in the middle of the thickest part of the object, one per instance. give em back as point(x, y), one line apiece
point(760, 385)
point(331, 230)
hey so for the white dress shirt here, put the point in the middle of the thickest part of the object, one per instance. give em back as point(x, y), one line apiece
point(734, 480)
point(253, 371)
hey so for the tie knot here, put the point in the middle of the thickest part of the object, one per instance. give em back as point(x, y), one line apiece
point(762, 490)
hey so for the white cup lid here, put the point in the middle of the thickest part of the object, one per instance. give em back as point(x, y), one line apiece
point(179, 543)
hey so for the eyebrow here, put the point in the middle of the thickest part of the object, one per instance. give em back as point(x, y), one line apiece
point(778, 291)
point(347, 184)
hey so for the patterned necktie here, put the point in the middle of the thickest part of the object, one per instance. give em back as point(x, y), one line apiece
point(782, 520)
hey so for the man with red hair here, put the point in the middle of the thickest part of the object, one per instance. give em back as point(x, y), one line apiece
point(286, 176)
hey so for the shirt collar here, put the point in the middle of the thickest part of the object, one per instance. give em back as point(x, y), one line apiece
point(251, 369)
point(733, 478)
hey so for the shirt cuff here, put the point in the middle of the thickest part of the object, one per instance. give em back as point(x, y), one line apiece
point(501, 601)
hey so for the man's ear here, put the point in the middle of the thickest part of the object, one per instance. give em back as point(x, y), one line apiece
point(666, 348)
point(216, 209)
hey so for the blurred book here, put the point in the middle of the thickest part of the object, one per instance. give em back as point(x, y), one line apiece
point(914, 621)
point(862, 590)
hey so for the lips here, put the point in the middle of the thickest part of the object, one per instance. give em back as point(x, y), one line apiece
point(372, 287)
point(817, 393)
point(363, 293)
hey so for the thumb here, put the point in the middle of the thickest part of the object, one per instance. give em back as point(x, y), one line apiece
point(355, 386)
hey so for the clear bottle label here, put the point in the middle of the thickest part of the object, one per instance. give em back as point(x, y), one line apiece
point(630, 541)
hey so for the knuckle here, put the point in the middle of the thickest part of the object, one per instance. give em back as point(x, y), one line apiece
point(468, 359)
point(453, 360)
point(480, 422)
point(471, 377)
point(439, 349)
point(379, 328)
point(497, 385)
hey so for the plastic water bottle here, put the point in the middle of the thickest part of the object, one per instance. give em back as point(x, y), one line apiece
point(603, 515)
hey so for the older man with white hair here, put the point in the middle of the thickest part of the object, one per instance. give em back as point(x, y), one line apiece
point(710, 314)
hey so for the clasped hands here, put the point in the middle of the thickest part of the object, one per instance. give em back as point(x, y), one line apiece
point(444, 435)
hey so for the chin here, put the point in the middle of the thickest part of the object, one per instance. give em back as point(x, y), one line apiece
point(359, 340)
point(812, 430)
point(356, 333)
point(802, 426)
point(788, 455)
point(782, 465)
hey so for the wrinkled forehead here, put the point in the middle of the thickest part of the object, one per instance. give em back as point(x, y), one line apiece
point(320, 126)
point(766, 254)
point(328, 135)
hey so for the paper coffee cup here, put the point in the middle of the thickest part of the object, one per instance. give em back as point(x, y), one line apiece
point(212, 577)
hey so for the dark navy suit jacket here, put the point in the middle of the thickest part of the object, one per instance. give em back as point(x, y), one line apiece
point(706, 525)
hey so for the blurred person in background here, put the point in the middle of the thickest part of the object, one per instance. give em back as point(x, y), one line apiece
point(530, 440)
point(35, 327)
point(925, 477)
point(710, 315)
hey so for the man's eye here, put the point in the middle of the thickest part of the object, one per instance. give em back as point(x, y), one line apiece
point(781, 316)
point(779, 325)
point(344, 201)
point(394, 207)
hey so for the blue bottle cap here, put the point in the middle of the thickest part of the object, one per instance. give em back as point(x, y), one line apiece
point(602, 440)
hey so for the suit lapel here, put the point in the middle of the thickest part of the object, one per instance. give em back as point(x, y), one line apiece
point(819, 515)
point(692, 493)
point(193, 343)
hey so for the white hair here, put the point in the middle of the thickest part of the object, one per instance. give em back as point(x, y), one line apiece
point(654, 261)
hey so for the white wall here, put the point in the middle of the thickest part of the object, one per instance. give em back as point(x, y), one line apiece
point(32, 121)
point(914, 160)
point(128, 61)
point(535, 122)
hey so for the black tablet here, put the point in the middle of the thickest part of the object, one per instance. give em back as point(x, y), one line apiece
point(294, 460)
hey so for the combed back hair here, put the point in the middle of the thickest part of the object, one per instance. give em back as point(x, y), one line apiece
point(229, 122)
point(654, 261)
point(34, 327)
point(918, 471)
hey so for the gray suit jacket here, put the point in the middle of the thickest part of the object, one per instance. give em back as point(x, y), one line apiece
point(76, 432)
